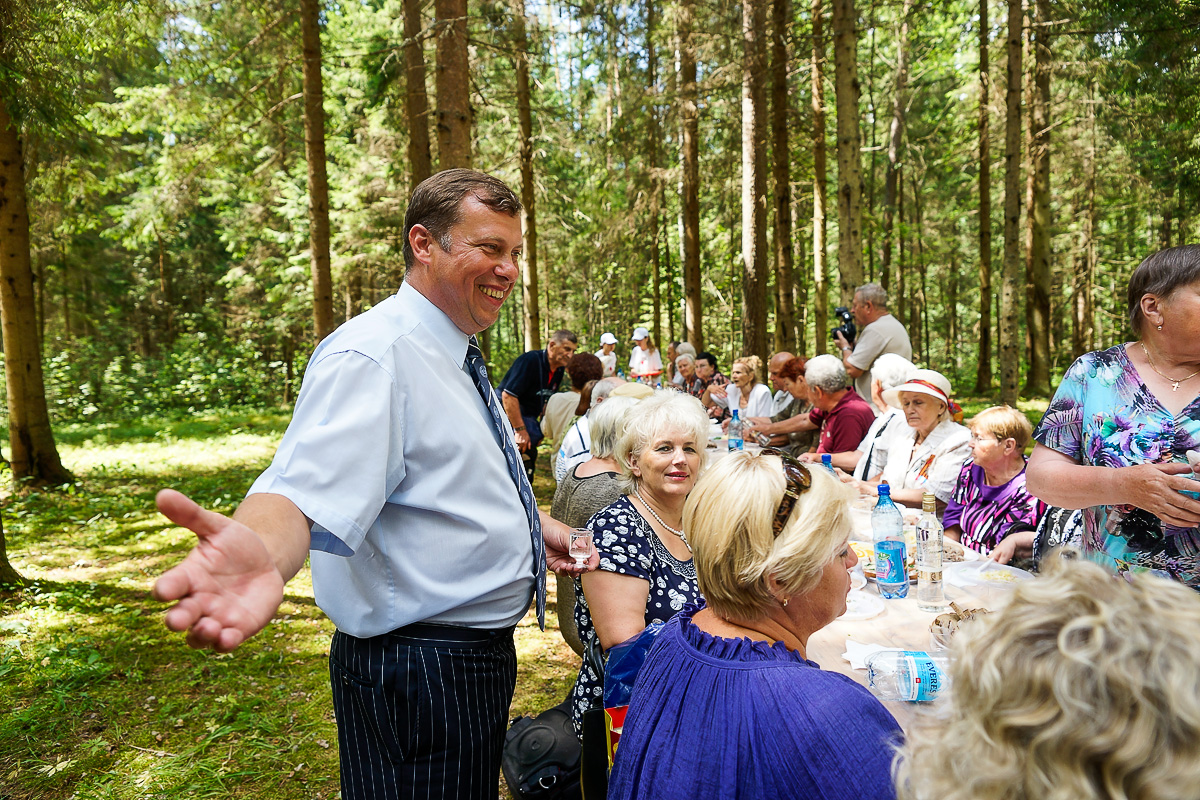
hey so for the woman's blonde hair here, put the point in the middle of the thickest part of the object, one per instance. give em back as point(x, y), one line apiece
point(666, 412)
point(1082, 687)
point(752, 363)
point(727, 519)
point(1003, 422)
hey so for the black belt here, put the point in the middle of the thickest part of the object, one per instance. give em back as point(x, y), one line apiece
point(428, 633)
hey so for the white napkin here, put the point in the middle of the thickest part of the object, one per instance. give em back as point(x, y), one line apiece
point(857, 653)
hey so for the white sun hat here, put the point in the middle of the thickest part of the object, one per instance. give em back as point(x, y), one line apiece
point(925, 381)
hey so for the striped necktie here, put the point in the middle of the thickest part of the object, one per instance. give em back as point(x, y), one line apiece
point(516, 470)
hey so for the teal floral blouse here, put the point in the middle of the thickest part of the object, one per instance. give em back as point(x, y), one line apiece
point(1103, 415)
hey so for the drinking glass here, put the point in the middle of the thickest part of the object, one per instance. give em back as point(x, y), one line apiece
point(581, 545)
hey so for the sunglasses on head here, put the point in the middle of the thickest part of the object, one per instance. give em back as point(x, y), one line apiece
point(799, 480)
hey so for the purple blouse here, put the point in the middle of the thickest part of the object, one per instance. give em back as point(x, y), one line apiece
point(987, 514)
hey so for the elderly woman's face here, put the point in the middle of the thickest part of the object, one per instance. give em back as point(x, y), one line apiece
point(987, 449)
point(687, 369)
point(796, 388)
point(827, 600)
point(669, 465)
point(921, 410)
point(741, 375)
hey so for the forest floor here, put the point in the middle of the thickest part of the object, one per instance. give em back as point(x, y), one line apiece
point(104, 702)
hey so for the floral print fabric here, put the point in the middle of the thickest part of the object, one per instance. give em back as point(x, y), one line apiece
point(1103, 415)
point(628, 546)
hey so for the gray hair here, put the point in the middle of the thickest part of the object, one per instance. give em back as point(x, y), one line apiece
point(826, 373)
point(874, 294)
point(603, 389)
point(891, 370)
point(564, 335)
point(666, 412)
point(685, 348)
point(606, 422)
point(685, 359)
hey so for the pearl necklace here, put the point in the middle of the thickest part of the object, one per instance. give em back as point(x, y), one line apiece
point(654, 514)
point(1174, 383)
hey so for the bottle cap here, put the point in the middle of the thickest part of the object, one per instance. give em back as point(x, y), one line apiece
point(928, 502)
point(884, 489)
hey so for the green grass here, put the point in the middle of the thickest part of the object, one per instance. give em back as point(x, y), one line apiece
point(102, 701)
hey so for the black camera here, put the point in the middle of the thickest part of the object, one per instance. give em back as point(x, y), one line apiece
point(847, 328)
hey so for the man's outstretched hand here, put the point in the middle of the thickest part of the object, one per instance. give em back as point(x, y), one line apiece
point(228, 587)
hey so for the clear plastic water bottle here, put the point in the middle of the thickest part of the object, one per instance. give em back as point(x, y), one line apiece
point(930, 594)
point(827, 462)
point(736, 442)
point(887, 531)
point(910, 675)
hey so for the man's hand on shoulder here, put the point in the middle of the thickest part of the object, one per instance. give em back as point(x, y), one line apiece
point(228, 586)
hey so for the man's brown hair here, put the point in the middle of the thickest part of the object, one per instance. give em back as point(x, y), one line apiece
point(437, 202)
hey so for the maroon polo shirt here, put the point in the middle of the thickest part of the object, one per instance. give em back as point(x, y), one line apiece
point(843, 428)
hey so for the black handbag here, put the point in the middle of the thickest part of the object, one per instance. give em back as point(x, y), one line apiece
point(541, 756)
point(594, 762)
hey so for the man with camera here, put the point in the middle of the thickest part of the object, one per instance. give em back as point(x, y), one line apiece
point(531, 380)
point(880, 333)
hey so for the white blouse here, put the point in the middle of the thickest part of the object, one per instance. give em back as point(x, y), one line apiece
point(930, 466)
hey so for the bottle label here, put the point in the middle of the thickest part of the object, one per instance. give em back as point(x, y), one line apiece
point(927, 679)
point(889, 562)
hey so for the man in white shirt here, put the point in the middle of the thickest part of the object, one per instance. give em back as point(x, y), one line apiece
point(879, 333)
point(401, 476)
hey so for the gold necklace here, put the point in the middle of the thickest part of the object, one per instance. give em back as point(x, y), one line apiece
point(1174, 383)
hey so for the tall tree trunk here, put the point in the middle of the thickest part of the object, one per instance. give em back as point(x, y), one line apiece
point(35, 458)
point(9, 577)
point(416, 103)
point(354, 294)
point(1010, 350)
point(895, 141)
point(846, 89)
point(1037, 264)
point(453, 85)
point(529, 254)
point(820, 301)
point(655, 188)
point(983, 372)
point(754, 180)
point(318, 183)
point(785, 312)
point(689, 151)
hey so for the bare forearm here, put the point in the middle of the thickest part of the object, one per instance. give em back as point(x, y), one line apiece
point(1070, 485)
point(796, 424)
point(512, 409)
point(847, 460)
point(281, 526)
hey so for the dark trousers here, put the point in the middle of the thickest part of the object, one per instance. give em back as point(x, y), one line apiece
point(422, 711)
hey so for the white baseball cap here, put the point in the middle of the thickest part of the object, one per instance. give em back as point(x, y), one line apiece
point(639, 333)
point(607, 338)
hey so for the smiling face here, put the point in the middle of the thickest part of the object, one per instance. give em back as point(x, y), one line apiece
point(687, 369)
point(669, 465)
point(921, 411)
point(470, 280)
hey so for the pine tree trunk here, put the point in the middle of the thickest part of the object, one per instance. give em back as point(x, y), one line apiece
point(820, 299)
point(453, 85)
point(9, 577)
point(318, 182)
point(754, 180)
point(652, 145)
point(983, 372)
point(35, 458)
point(1010, 351)
point(849, 142)
point(895, 141)
point(785, 312)
point(689, 120)
point(529, 254)
point(1038, 272)
point(416, 103)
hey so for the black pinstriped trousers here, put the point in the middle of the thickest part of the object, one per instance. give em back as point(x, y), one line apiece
point(422, 711)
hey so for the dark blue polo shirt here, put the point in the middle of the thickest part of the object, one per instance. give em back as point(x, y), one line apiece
point(526, 379)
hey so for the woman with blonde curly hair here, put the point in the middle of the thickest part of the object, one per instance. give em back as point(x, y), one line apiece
point(745, 390)
point(1083, 687)
point(727, 704)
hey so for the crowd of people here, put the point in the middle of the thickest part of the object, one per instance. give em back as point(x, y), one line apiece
point(406, 477)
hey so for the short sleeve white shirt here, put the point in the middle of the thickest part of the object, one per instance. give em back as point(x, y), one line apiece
point(394, 457)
